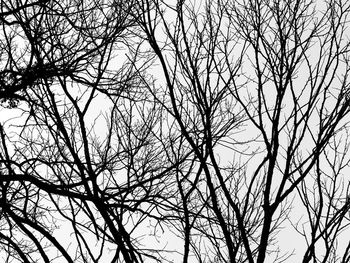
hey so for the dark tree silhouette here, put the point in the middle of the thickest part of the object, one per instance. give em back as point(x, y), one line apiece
point(174, 131)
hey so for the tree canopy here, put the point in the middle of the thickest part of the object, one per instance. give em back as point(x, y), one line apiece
point(174, 131)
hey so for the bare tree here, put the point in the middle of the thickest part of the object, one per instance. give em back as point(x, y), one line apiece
point(259, 89)
point(70, 192)
point(222, 125)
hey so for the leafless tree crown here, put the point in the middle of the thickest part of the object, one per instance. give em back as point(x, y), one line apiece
point(174, 131)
